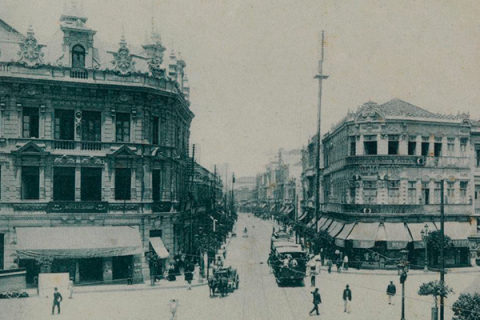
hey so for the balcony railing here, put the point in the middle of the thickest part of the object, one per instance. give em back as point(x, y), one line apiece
point(409, 209)
point(79, 74)
point(64, 144)
point(91, 146)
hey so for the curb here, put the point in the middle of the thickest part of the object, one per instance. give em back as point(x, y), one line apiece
point(395, 272)
point(156, 287)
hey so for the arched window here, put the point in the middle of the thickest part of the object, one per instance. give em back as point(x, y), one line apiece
point(78, 57)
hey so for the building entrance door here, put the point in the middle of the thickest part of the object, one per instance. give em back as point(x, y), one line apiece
point(120, 267)
point(91, 270)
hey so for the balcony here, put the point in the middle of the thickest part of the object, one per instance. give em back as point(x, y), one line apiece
point(386, 160)
point(64, 144)
point(78, 74)
point(91, 146)
point(398, 209)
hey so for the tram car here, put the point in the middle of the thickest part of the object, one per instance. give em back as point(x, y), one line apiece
point(289, 263)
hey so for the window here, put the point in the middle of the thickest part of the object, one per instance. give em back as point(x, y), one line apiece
point(370, 145)
point(437, 149)
point(91, 184)
point(450, 147)
point(412, 148)
point(412, 192)
point(393, 191)
point(123, 127)
point(392, 144)
point(425, 148)
point(369, 191)
point(30, 122)
point(155, 130)
point(477, 152)
point(91, 126)
point(353, 146)
point(64, 184)
point(78, 57)
point(463, 146)
point(437, 192)
point(123, 182)
point(463, 191)
point(30, 183)
point(156, 185)
point(64, 125)
point(426, 193)
point(451, 192)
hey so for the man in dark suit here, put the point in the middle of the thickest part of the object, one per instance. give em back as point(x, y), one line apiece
point(347, 297)
point(57, 298)
point(316, 301)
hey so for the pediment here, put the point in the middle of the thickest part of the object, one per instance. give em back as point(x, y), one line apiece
point(31, 148)
point(124, 151)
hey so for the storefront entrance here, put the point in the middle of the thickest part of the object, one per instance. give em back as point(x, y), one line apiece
point(91, 270)
point(120, 266)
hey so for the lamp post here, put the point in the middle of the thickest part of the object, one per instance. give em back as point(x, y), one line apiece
point(403, 270)
point(424, 234)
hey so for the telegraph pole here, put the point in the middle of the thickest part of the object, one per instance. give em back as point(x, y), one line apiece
point(191, 199)
point(320, 76)
point(442, 247)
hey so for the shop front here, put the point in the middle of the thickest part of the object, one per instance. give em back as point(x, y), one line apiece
point(88, 254)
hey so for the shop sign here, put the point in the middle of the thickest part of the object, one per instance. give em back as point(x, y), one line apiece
point(396, 245)
point(77, 207)
point(461, 243)
point(363, 244)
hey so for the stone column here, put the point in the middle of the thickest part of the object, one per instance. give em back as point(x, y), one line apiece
point(42, 181)
point(382, 144)
point(360, 149)
point(78, 183)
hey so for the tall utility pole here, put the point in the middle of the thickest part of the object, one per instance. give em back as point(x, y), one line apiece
point(191, 199)
point(215, 187)
point(233, 186)
point(320, 76)
point(442, 247)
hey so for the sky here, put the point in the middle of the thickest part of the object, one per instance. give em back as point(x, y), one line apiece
point(251, 64)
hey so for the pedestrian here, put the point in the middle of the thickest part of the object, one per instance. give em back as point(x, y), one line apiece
point(339, 265)
point(188, 274)
point(173, 308)
point(347, 297)
point(129, 275)
point(345, 263)
point(317, 299)
point(391, 291)
point(70, 288)
point(57, 298)
point(322, 257)
point(313, 273)
point(329, 264)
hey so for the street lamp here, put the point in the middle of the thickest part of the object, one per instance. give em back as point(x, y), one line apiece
point(424, 234)
point(403, 270)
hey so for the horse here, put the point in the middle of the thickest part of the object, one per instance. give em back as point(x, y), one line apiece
point(222, 286)
point(212, 284)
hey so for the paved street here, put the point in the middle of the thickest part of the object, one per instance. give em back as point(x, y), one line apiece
point(259, 297)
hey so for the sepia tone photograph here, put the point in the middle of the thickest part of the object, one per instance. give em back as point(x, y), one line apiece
point(239, 159)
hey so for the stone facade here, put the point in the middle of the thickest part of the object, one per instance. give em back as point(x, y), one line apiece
point(80, 112)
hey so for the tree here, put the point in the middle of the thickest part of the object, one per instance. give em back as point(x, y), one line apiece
point(467, 307)
point(436, 289)
point(434, 244)
point(324, 240)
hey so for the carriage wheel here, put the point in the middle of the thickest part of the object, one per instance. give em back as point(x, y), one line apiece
point(13, 294)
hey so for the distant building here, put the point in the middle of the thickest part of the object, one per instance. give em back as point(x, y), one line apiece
point(93, 151)
point(381, 173)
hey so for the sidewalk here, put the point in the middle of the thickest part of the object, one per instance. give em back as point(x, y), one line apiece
point(160, 285)
point(411, 272)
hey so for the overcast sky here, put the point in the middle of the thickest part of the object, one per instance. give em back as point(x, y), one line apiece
point(251, 63)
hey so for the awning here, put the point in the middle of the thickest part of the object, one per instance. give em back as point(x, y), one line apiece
point(272, 208)
point(263, 206)
point(340, 238)
point(416, 233)
point(157, 245)
point(335, 228)
point(364, 235)
point(77, 242)
point(321, 222)
point(303, 216)
point(458, 232)
point(325, 226)
point(398, 236)
point(290, 209)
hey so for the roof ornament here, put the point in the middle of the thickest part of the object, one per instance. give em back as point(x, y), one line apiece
point(30, 52)
point(123, 61)
point(156, 53)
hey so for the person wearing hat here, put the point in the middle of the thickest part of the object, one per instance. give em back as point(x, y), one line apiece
point(347, 298)
point(391, 291)
point(57, 298)
point(316, 301)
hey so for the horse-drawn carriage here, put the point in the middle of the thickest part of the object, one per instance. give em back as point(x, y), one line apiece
point(224, 280)
point(12, 283)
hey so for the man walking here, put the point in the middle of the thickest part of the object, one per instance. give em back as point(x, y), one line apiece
point(313, 273)
point(70, 288)
point(329, 264)
point(57, 298)
point(347, 297)
point(345, 263)
point(391, 291)
point(173, 308)
point(316, 301)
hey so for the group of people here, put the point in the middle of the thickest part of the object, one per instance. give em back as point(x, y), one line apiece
point(317, 299)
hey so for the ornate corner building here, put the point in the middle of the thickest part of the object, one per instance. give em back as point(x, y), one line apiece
point(381, 173)
point(93, 152)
